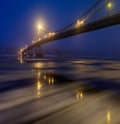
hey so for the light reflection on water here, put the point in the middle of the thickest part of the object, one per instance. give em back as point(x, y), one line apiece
point(108, 117)
point(42, 78)
point(38, 65)
point(50, 78)
point(45, 77)
point(79, 95)
point(21, 60)
point(39, 84)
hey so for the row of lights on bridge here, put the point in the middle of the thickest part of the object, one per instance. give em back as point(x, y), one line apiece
point(50, 34)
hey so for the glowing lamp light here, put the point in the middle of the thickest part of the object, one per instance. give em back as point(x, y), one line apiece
point(109, 5)
point(53, 33)
point(40, 27)
point(21, 50)
point(108, 116)
point(80, 22)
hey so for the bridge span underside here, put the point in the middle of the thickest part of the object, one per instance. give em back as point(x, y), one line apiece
point(102, 23)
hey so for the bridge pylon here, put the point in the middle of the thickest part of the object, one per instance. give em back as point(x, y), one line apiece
point(38, 52)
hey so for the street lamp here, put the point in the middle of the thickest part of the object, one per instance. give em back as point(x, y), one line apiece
point(79, 23)
point(109, 5)
point(38, 30)
point(39, 33)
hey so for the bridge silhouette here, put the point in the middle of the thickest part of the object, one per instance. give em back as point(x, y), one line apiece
point(85, 23)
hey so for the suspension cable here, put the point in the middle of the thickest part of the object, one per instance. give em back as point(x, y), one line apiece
point(83, 15)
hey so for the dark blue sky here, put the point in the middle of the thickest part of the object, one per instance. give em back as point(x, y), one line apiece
point(17, 19)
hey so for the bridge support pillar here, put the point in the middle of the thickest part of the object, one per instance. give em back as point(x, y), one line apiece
point(39, 52)
point(30, 54)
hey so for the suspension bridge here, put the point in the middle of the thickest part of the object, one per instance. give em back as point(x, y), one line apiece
point(102, 14)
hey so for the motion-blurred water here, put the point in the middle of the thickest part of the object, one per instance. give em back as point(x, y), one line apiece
point(48, 91)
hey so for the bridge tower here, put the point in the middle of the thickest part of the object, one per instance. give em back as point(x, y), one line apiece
point(38, 52)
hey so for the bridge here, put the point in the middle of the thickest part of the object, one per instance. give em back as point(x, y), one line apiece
point(85, 23)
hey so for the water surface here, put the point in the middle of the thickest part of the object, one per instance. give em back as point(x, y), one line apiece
point(61, 91)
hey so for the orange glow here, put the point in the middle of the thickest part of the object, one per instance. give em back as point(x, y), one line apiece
point(39, 85)
point(40, 27)
point(79, 95)
point(52, 80)
point(38, 65)
point(44, 77)
point(79, 23)
point(21, 50)
point(108, 116)
point(49, 81)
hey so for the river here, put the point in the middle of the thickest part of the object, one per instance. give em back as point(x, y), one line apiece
point(59, 91)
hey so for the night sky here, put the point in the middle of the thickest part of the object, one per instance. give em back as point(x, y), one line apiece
point(18, 17)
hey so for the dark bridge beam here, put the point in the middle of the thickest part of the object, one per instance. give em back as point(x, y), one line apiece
point(102, 23)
